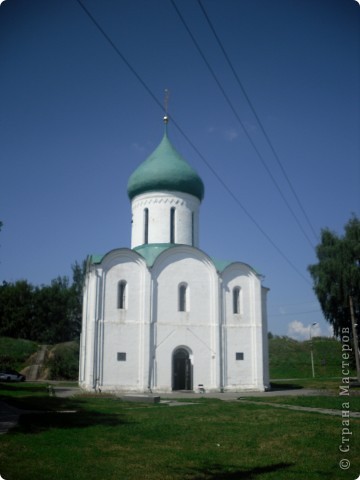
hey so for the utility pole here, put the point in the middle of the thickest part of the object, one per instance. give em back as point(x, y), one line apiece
point(355, 338)
point(311, 351)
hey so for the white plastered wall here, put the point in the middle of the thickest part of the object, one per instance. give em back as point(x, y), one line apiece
point(110, 330)
point(242, 333)
point(195, 329)
point(159, 205)
point(151, 327)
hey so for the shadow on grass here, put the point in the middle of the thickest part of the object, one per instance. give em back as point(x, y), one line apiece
point(42, 403)
point(284, 386)
point(40, 413)
point(32, 423)
point(231, 472)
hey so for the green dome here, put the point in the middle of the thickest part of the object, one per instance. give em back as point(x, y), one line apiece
point(165, 169)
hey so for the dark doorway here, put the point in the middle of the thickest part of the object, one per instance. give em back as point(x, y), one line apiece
point(182, 370)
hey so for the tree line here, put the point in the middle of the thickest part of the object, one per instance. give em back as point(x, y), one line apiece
point(336, 279)
point(47, 313)
point(336, 276)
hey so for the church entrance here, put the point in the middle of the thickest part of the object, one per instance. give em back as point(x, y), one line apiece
point(182, 370)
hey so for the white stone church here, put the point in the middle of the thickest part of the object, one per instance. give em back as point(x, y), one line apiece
point(163, 315)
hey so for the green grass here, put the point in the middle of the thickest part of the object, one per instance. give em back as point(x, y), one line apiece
point(331, 385)
point(101, 437)
point(61, 360)
point(316, 401)
point(291, 359)
point(109, 439)
point(15, 352)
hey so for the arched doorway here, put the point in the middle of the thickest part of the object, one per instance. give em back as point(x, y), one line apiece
point(182, 370)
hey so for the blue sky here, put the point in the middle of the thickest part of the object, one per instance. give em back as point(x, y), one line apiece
point(75, 121)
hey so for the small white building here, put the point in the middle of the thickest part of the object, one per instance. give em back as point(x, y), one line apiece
point(163, 315)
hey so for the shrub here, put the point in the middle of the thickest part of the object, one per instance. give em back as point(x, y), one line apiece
point(63, 361)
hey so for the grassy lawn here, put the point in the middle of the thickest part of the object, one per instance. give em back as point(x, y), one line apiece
point(14, 352)
point(330, 384)
point(104, 438)
point(316, 401)
point(290, 358)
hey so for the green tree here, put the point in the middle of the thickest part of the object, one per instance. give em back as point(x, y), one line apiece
point(53, 311)
point(336, 276)
point(76, 292)
point(48, 313)
point(64, 361)
point(17, 312)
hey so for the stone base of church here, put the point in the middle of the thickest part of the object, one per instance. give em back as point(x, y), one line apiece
point(123, 390)
point(245, 388)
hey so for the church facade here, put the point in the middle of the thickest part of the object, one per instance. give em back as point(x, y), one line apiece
point(163, 315)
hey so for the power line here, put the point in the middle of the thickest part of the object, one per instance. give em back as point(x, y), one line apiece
point(123, 58)
point(213, 171)
point(258, 119)
point(235, 198)
point(241, 124)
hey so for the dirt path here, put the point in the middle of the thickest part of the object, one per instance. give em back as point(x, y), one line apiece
point(326, 411)
point(35, 368)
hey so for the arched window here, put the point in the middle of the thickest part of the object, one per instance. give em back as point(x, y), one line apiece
point(183, 298)
point(146, 225)
point(236, 299)
point(122, 290)
point(172, 225)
